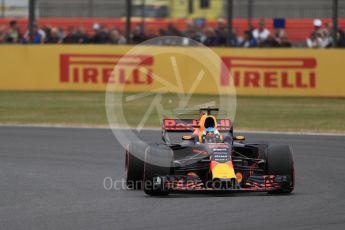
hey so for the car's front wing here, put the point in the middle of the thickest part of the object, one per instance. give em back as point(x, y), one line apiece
point(264, 183)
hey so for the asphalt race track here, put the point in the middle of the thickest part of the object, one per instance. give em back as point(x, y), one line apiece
point(52, 178)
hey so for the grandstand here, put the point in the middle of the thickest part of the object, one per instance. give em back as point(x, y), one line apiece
point(299, 14)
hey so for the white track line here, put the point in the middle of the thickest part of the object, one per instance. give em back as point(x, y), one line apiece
point(292, 133)
point(105, 127)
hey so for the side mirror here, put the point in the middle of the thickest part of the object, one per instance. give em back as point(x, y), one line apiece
point(187, 138)
point(239, 138)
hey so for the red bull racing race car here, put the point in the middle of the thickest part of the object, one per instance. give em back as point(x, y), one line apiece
point(209, 159)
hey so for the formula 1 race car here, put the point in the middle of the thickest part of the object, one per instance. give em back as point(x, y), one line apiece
point(210, 159)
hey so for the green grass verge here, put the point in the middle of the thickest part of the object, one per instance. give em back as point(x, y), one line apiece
point(255, 113)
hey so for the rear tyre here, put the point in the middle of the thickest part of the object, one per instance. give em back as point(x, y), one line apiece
point(158, 161)
point(279, 161)
point(134, 165)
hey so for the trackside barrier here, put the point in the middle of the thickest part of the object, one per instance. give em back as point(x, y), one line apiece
point(264, 72)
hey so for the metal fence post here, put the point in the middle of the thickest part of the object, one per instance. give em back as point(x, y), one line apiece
point(229, 21)
point(335, 22)
point(128, 20)
point(143, 4)
point(90, 8)
point(2, 8)
point(32, 6)
point(250, 13)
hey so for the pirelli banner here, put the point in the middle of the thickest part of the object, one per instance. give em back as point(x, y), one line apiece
point(266, 72)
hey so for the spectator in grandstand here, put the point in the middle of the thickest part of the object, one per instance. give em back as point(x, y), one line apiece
point(53, 36)
point(270, 42)
point(70, 36)
point(261, 34)
point(209, 38)
point(284, 41)
point(328, 30)
point(151, 33)
point(3, 34)
point(341, 39)
point(13, 33)
point(61, 32)
point(280, 33)
point(138, 35)
point(81, 35)
point(282, 38)
point(101, 34)
point(38, 36)
point(248, 41)
point(190, 28)
point(116, 38)
point(192, 34)
point(221, 32)
point(340, 36)
point(173, 31)
point(47, 31)
point(340, 42)
point(319, 38)
point(162, 32)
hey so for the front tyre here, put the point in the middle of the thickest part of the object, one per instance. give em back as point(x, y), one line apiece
point(158, 161)
point(134, 165)
point(279, 161)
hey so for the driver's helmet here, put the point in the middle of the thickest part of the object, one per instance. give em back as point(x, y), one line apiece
point(211, 131)
point(210, 135)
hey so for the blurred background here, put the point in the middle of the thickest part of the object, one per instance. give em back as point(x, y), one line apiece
point(279, 23)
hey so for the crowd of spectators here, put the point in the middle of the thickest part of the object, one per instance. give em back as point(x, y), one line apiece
point(209, 36)
point(323, 37)
point(58, 35)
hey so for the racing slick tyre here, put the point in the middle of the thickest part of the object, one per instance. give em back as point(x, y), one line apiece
point(279, 161)
point(158, 162)
point(134, 165)
point(262, 149)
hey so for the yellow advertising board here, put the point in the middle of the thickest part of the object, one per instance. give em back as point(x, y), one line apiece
point(266, 72)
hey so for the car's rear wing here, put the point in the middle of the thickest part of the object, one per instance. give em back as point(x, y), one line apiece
point(188, 125)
